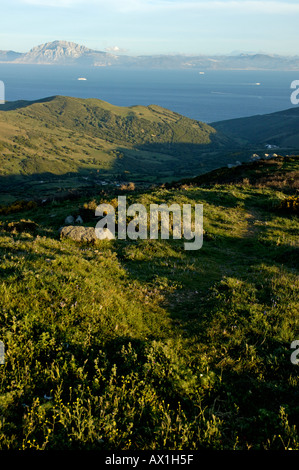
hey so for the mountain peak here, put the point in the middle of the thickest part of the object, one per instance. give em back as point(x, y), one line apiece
point(57, 52)
point(64, 45)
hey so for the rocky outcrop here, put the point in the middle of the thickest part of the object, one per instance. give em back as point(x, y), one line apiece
point(59, 52)
point(78, 234)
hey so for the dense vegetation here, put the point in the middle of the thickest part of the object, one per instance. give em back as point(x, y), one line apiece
point(280, 128)
point(143, 345)
point(63, 142)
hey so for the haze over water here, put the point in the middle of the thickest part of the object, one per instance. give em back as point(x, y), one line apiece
point(210, 96)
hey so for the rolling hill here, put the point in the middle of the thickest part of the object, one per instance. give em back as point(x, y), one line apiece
point(280, 128)
point(73, 138)
point(61, 144)
point(271, 172)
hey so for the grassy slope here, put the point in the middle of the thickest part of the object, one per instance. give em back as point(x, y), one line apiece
point(281, 128)
point(142, 345)
point(274, 172)
point(61, 135)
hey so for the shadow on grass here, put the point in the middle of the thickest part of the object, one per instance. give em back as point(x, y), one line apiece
point(13, 105)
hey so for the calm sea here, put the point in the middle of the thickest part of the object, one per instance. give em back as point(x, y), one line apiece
point(209, 96)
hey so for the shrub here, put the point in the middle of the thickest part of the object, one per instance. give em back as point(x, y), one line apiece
point(22, 226)
point(128, 187)
point(290, 204)
point(17, 206)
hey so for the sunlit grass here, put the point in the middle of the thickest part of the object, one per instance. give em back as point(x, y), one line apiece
point(143, 345)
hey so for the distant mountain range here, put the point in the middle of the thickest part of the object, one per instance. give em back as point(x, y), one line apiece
point(69, 53)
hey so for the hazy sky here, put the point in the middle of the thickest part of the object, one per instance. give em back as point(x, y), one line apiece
point(154, 26)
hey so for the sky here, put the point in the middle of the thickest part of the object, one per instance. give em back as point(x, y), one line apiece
point(137, 27)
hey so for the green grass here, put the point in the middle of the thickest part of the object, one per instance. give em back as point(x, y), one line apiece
point(143, 345)
point(280, 128)
point(59, 141)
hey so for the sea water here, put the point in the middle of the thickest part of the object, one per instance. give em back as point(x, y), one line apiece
point(206, 96)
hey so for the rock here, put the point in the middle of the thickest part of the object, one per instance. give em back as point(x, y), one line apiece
point(56, 52)
point(79, 220)
point(78, 234)
point(69, 220)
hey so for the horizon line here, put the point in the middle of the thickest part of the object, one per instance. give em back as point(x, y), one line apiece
point(173, 53)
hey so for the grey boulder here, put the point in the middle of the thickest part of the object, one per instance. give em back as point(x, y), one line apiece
point(79, 220)
point(69, 220)
point(78, 234)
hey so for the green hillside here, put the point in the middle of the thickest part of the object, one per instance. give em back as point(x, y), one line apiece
point(61, 141)
point(130, 345)
point(272, 172)
point(281, 129)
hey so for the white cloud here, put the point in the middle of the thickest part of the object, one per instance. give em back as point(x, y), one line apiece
point(238, 6)
point(115, 49)
point(111, 4)
point(52, 3)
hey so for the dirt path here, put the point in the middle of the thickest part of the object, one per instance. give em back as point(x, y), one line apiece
point(254, 221)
